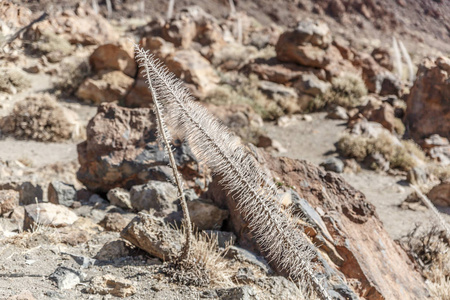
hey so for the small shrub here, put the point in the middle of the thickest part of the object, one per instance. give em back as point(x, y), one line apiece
point(403, 157)
point(351, 146)
point(246, 92)
point(205, 266)
point(430, 251)
point(50, 42)
point(38, 118)
point(346, 91)
point(13, 81)
point(75, 71)
point(399, 127)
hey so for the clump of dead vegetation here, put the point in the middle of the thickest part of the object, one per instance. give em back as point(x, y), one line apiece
point(39, 118)
point(13, 81)
point(430, 251)
point(75, 71)
point(205, 265)
point(346, 91)
point(50, 42)
point(246, 91)
point(403, 156)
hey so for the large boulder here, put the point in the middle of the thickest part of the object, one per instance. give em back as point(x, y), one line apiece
point(114, 56)
point(105, 87)
point(121, 150)
point(196, 71)
point(351, 235)
point(308, 44)
point(428, 104)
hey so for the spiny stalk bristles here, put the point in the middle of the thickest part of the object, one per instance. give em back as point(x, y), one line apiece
point(241, 174)
point(165, 140)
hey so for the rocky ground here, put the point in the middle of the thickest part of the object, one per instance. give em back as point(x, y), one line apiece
point(348, 121)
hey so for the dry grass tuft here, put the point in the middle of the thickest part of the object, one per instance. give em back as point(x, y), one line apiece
point(346, 91)
point(13, 81)
point(430, 251)
point(403, 157)
point(247, 92)
point(50, 42)
point(206, 265)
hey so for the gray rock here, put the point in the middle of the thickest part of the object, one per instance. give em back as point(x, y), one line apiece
point(273, 89)
point(244, 275)
point(61, 193)
point(30, 193)
point(315, 32)
point(152, 235)
point(113, 250)
point(119, 197)
point(333, 164)
point(65, 278)
point(247, 256)
point(338, 113)
point(417, 175)
point(278, 287)
point(157, 195)
point(224, 238)
point(310, 214)
point(238, 293)
point(311, 85)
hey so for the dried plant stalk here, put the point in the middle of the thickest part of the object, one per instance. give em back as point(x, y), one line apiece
point(243, 177)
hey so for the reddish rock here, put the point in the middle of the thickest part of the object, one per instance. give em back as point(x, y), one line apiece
point(278, 72)
point(385, 116)
point(157, 46)
point(9, 200)
point(383, 58)
point(106, 87)
point(428, 105)
point(121, 150)
point(118, 56)
point(377, 79)
point(139, 95)
point(196, 71)
point(308, 44)
point(47, 214)
point(440, 194)
point(114, 222)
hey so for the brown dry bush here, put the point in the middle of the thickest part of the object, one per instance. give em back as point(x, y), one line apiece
point(205, 266)
point(13, 81)
point(38, 118)
point(403, 157)
point(247, 92)
point(346, 91)
point(50, 42)
point(430, 251)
